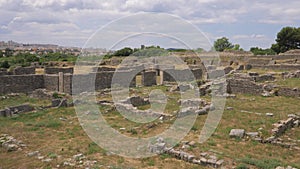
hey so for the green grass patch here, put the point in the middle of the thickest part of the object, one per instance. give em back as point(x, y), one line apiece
point(262, 163)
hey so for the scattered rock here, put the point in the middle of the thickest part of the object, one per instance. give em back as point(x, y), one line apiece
point(78, 157)
point(252, 134)
point(34, 153)
point(192, 143)
point(59, 103)
point(237, 133)
point(269, 114)
point(47, 160)
point(266, 94)
point(10, 143)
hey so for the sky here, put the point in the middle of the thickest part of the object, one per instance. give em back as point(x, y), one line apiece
point(249, 23)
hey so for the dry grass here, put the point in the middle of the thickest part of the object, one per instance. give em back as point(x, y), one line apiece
point(43, 131)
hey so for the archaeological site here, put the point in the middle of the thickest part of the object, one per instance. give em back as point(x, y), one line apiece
point(259, 125)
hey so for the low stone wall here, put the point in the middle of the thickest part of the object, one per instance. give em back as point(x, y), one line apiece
point(243, 86)
point(264, 77)
point(283, 125)
point(56, 70)
point(24, 70)
point(16, 110)
point(103, 69)
point(288, 92)
point(278, 67)
point(279, 57)
point(287, 75)
point(205, 160)
point(259, 61)
point(181, 75)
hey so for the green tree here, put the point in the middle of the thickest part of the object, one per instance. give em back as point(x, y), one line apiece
point(223, 44)
point(288, 38)
point(237, 47)
point(124, 52)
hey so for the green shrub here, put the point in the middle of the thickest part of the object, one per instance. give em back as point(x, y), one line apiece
point(4, 64)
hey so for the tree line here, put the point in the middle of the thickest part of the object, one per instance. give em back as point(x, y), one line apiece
point(288, 38)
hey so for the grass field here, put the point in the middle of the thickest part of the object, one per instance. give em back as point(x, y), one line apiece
point(43, 130)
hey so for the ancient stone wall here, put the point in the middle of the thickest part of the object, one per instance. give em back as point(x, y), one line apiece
point(288, 92)
point(181, 75)
point(56, 70)
point(149, 78)
point(263, 78)
point(198, 73)
point(20, 83)
point(278, 67)
point(279, 57)
point(67, 83)
point(84, 83)
point(259, 61)
point(103, 68)
point(243, 86)
point(24, 70)
point(51, 82)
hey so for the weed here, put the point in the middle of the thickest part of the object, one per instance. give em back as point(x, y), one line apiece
point(262, 163)
point(164, 156)
point(93, 148)
point(52, 155)
point(151, 162)
point(242, 166)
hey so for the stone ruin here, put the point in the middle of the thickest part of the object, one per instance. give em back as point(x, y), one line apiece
point(204, 159)
point(253, 83)
point(10, 143)
point(279, 129)
point(25, 80)
point(13, 110)
point(288, 75)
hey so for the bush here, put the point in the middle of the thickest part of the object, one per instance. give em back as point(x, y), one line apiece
point(5, 64)
point(55, 95)
point(260, 51)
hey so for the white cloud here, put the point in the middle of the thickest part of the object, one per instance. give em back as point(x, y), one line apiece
point(253, 36)
point(59, 19)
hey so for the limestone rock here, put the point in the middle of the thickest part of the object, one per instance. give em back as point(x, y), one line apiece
point(237, 133)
